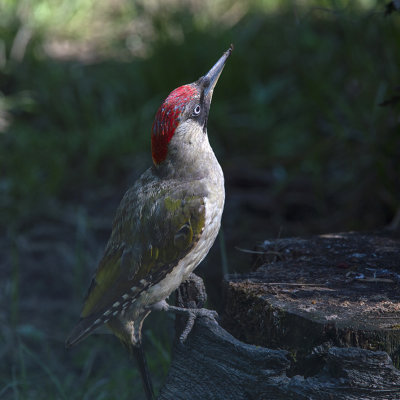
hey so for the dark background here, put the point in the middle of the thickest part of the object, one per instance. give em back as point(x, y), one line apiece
point(295, 122)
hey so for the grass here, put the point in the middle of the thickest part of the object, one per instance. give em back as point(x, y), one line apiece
point(37, 375)
point(307, 103)
point(38, 367)
point(79, 87)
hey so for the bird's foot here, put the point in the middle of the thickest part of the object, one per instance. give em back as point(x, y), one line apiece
point(191, 313)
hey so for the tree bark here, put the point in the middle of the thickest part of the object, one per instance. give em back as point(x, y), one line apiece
point(315, 315)
point(212, 364)
point(309, 294)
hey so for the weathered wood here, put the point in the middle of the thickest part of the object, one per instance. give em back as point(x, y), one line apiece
point(212, 364)
point(330, 290)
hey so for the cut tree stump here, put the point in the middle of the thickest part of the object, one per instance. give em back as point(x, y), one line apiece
point(315, 315)
point(309, 294)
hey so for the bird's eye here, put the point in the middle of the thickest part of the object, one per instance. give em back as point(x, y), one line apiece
point(196, 110)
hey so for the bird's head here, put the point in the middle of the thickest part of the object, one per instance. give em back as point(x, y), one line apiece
point(184, 113)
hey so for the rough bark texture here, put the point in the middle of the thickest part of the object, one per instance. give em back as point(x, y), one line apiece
point(326, 305)
point(307, 295)
point(212, 364)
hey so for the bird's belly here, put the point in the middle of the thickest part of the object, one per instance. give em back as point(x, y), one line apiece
point(182, 270)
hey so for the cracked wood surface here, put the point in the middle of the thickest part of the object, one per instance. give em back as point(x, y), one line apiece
point(213, 364)
point(309, 294)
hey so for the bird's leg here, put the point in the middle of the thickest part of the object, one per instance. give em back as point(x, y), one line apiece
point(190, 313)
point(191, 297)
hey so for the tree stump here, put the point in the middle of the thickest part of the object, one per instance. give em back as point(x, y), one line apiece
point(315, 315)
point(307, 295)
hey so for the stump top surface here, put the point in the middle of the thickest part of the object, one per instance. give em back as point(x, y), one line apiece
point(349, 279)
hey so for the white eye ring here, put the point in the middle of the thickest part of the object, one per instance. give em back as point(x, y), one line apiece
point(197, 110)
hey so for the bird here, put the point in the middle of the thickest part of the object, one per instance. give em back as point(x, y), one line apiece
point(164, 226)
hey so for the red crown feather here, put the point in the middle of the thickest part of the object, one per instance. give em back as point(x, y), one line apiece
point(167, 120)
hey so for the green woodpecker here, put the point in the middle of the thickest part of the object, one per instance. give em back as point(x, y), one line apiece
point(165, 225)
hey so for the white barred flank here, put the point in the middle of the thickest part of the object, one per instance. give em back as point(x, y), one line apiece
point(118, 307)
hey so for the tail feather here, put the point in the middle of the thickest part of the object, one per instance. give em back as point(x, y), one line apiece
point(82, 330)
point(138, 353)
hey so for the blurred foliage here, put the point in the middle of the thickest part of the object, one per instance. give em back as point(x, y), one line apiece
point(80, 82)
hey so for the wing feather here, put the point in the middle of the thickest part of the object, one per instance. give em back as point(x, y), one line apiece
point(154, 228)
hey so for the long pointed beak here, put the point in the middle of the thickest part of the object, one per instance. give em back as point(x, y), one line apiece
point(210, 79)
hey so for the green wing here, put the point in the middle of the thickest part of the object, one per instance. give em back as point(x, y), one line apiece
point(152, 231)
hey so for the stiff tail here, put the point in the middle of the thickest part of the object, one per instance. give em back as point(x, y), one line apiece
point(82, 330)
point(137, 352)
